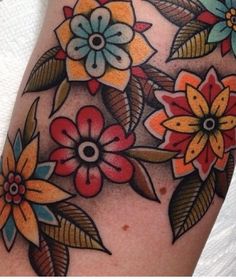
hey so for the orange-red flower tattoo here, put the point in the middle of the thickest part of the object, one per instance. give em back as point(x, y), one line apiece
point(198, 121)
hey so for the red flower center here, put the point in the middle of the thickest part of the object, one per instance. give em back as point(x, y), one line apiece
point(89, 151)
point(14, 189)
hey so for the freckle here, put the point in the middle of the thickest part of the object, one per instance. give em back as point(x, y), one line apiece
point(125, 228)
point(163, 191)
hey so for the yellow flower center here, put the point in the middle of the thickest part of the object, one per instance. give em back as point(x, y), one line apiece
point(231, 18)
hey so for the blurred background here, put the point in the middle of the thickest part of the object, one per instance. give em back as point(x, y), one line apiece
point(20, 23)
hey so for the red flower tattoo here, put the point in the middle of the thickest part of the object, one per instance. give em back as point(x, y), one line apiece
point(91, 151)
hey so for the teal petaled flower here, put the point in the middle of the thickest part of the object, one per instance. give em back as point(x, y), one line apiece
point(223, 18)
point(99, 42)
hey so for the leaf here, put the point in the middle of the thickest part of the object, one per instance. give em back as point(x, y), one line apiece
point(150, 155)
point(76, 229)
point(223, 178)
point(179, 12)
point(161, 79)
point(142, 182)
point(61, 95)
point(190, 202)
point(149, 87)
point(136, 101)
point(191, 41)
point(126, 107)
point(47, 72)
point(50, 259)
point(30, 123)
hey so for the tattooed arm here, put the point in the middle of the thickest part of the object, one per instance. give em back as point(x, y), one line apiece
point(121, 141)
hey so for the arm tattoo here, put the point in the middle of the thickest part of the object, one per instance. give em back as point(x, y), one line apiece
point(188, 119)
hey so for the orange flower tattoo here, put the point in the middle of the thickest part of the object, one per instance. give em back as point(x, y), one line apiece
point(198, 121)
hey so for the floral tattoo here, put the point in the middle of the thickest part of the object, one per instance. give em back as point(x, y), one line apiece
point(203, 24)
point(189, 119)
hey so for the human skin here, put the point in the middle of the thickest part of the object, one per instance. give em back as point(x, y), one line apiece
point(136, 230)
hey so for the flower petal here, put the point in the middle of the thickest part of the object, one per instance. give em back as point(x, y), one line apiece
point(5, 210)
point(207, 17)
point(81, 27)
point(77, 48)
point(227, 122)
point(222, 162)
point(64, 33)
point(8, 159)
point(119, 33)
point(140, 49)
point(219, 32)
point(205, 161)
point(85, 7)
point(88, 181)
point(100, 18)
point(233, 42)
point(185, 78)
point(44, 214)
point(95, 64)
point(66, 161)
point(117, 57)
point(64, 132)
point(76, 71)
point(229, 139)
point(220, 103)
point(217, 143)
point(230, 3)
point(114, 138)
point(28, 159)
point(196, 146)
point(44, 170)
point(211, 86)
point(230, 81)
point(176, 142)
point(9, 233)
point(183, 124)
point(154, 124)
point(43, 192)
point(17, 146)
point(116, 78)
point(216, 7)
point(225, 46)
point(122, 11)
point(90, 122)
point(231, 109)
point(181, 169)
point(26, 222)
point(175, 104)
point(197, 102)
point(116, 168)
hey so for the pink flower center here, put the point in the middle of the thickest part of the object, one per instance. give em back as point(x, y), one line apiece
point(14, 189)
